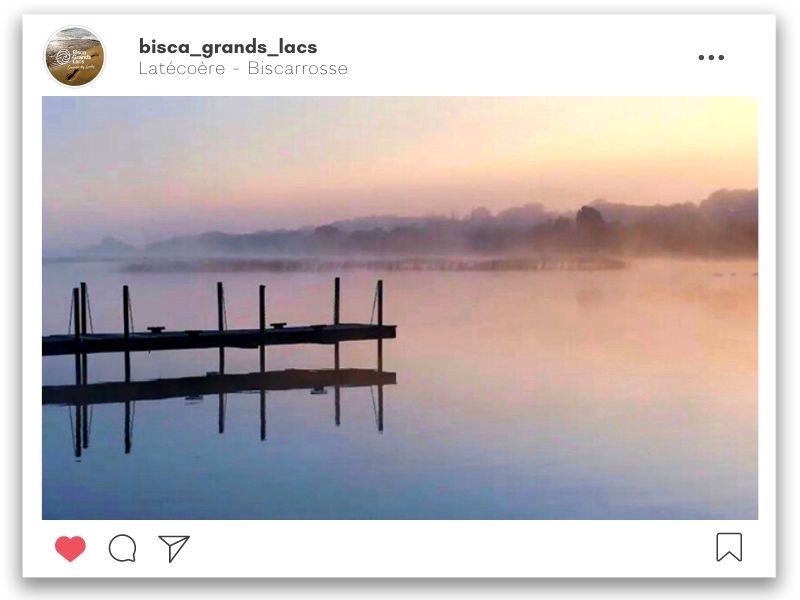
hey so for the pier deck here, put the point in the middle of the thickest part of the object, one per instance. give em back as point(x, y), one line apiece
point(94, 343)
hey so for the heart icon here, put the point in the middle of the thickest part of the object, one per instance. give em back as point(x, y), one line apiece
point(70, 548)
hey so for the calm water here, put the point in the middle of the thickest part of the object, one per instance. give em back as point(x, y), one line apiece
point(551, 395)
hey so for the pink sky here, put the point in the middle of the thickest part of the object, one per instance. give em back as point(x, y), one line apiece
point(143, 169)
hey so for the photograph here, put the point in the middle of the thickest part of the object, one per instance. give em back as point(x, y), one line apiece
point(398, 307)
point(74, 56)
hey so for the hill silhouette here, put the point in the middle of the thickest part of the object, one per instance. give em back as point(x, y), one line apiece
point(724, 224)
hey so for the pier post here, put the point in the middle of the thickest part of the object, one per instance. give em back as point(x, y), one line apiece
point(337, 289)
point(221, 326)
point(336, 303)
point(84, 364)
point(380, 301)
point(76, 318)
point(84, 357)
point(380, 324)
point(262, 325)
point(126, 329)
point(262, 357)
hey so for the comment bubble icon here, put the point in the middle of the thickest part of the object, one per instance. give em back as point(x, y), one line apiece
point(122, 548)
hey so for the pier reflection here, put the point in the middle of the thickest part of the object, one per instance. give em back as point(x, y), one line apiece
point(79, 398)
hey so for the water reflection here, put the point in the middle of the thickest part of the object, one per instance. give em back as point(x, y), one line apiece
point(556, 395)
point(82, 396)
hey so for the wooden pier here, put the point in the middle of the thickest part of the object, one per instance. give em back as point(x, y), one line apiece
point(56, 345)
point(81, 341)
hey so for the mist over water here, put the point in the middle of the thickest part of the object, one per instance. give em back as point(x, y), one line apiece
point(621, 394)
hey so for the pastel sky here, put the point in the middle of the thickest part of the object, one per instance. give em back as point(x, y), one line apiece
point(145, 168)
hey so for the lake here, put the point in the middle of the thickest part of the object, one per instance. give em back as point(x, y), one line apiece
point(625, 394)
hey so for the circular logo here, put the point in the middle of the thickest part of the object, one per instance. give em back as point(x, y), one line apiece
point(62, 56)
point(74, 56)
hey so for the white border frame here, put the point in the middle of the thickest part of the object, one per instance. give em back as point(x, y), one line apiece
point(601, 64)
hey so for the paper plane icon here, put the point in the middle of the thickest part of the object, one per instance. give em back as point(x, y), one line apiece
point(175, 544)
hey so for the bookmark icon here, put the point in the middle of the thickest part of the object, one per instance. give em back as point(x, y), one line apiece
point(175, 543)
point(729, 544)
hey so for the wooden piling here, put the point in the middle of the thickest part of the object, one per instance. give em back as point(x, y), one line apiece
point(84, 302)
point(126, 328)
point(262, 358)
point(380, 301)
point(336, 320)
point(76, 317)
point(336, 303)
point(262, 324)
point(380, 354)
point(79, 380)
point(380, 323)
point(221, 325)
point(84, 296)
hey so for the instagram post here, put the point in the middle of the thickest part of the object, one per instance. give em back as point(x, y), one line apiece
point(408, 296)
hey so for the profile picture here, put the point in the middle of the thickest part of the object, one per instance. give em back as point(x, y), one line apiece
point(74, 56)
